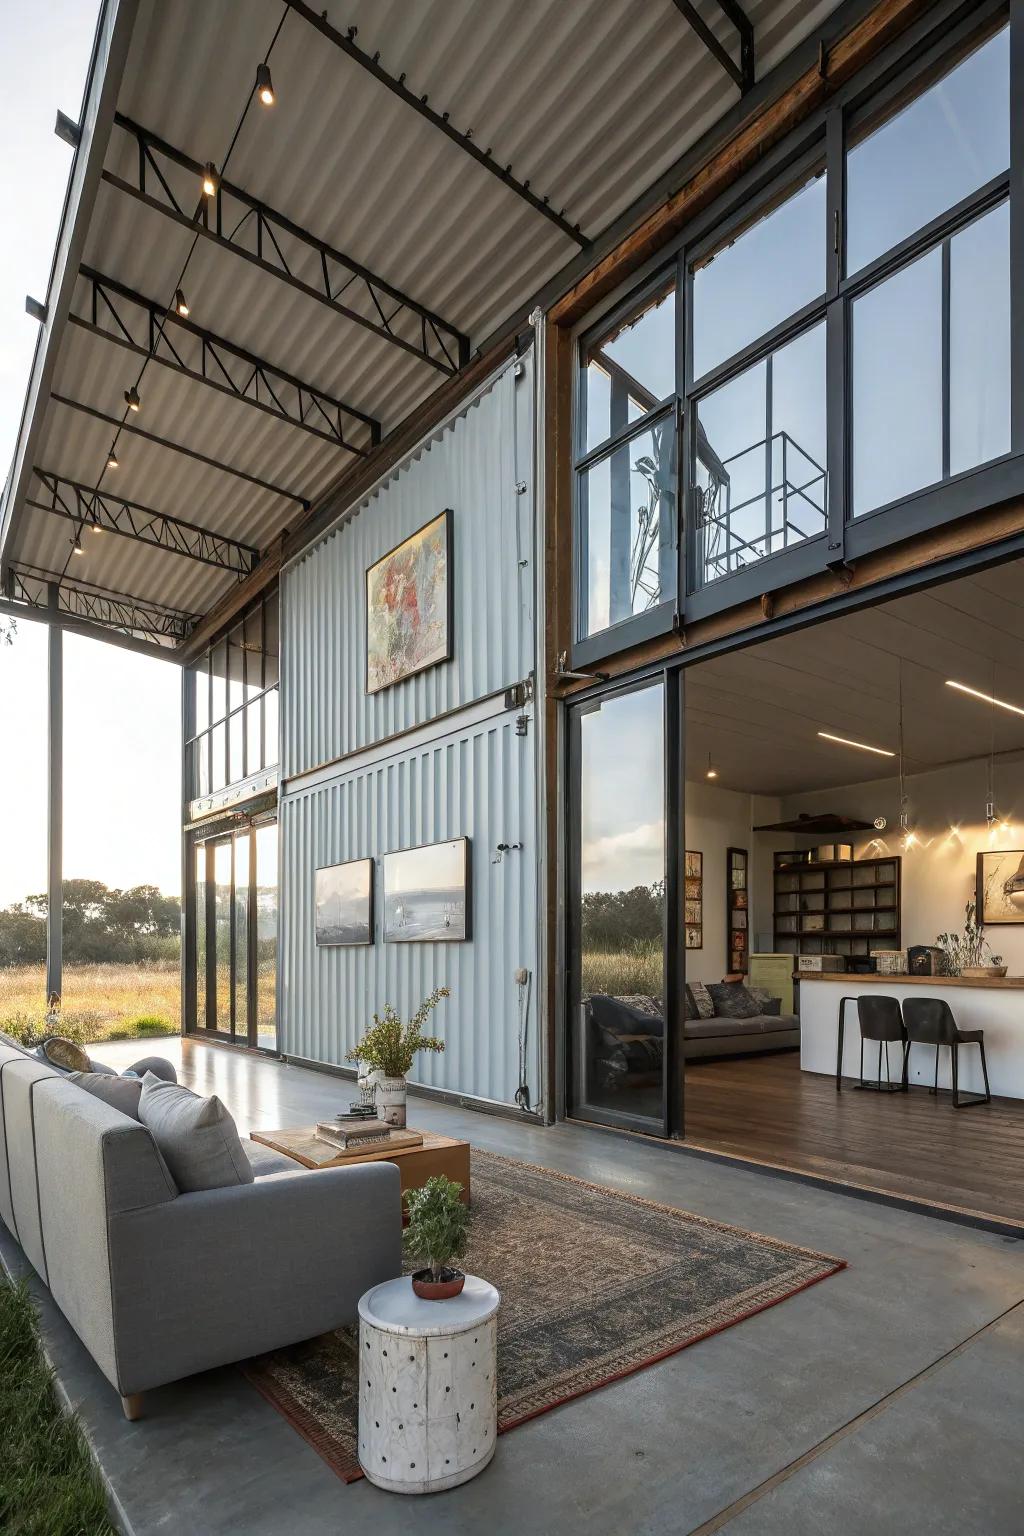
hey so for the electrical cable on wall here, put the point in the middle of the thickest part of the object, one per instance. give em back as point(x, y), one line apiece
point(524, 981)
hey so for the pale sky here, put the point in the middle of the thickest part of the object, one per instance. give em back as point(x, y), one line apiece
point(122, 712)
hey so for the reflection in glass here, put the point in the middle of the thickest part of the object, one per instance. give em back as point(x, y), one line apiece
point(254, 651)
point(236, 668)
point(979, 335)
point(761, 453)
point(201, 762)
point(628, 530)
point(938, 150)
point(241, 1027)
point(201, 678)
point(222, 936)
point(253, 749)
point(200, 858)
point(219, 681)
point(266, 936)
point(271, 640)
point(760, 278)
point(236, 736)
point(897, 385)
point(218, 770)
point(620, 1052)
point(270, 742)
point(631, 367)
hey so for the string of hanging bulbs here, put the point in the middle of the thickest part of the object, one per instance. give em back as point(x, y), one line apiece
point(263, 91)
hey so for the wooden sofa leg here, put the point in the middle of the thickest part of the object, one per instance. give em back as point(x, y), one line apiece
point(132, 1407)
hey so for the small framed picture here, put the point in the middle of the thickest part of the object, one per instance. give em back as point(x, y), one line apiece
point(344, 903)
point(1000, 887)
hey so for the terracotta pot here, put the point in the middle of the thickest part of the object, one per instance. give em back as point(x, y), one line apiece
point(391, 1096)
point(438, 1290)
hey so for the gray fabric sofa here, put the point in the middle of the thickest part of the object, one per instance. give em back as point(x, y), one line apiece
point(158, 1284)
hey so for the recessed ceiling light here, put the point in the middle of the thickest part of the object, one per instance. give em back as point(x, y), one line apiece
point(862, 746)
point(987, 698)
point(264, 85)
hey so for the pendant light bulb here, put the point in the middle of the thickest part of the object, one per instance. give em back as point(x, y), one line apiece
point(112, 459)
point(180, 304)
point(131, 399)
point(209, 179)
point(712, 773)
point(76, 543)
point(264, 85)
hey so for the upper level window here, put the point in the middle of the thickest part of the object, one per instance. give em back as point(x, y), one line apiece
point(925, 157)
point(235, 693)
point(626, 515)
point(755, 280)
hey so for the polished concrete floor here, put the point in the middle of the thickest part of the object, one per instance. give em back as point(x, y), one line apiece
point(887, 1399)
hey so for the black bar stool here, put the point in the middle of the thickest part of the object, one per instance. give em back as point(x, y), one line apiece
point(930, 1021)
point(881, 1019)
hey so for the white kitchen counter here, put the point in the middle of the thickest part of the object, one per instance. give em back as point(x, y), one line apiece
point(995, 1005)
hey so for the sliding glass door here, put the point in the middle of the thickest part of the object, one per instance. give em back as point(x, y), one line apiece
point(236, 936)
point(619, 909)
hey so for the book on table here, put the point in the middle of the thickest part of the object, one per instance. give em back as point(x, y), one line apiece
point(363, 1140)
point(342, 1135)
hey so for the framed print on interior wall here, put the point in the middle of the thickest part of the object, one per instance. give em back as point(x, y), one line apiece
point(736, 907)
point(344, 903)
point(427, 894)
point(1000, 887)
point(409, 603)
point(693, 908)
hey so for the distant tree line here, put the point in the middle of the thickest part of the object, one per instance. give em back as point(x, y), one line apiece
point(619, 920)
point(99, 924)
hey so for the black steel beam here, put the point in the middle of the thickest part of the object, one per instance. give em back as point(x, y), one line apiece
point(741, 74)
point(271, 241)
point(30, 585)
point(439, 120)
point(190, 453)
point(92, 508)
point(213, 361)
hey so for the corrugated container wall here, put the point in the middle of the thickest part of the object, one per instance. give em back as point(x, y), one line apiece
point(368, 774)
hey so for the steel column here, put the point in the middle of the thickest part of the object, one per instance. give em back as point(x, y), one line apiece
point(54, 799)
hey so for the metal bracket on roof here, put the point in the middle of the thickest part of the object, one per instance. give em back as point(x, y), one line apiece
point(742, 74)
point(346, 42)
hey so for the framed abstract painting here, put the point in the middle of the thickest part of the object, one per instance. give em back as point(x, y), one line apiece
point(409, 596)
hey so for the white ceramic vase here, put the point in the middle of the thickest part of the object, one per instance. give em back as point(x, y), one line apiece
point(391, 1096)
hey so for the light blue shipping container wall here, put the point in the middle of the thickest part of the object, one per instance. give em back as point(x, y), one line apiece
point(365, 775)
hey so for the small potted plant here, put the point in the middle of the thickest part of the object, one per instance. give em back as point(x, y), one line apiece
point(436, 1234)
point(965, 953)
point(389, 1048)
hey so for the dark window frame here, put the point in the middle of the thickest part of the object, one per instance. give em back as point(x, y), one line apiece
point(202, 741)
point(905, 69)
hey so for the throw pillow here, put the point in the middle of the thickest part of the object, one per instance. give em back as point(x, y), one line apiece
point(702, 1000)
point(65, 1054)
point(197, 1137)
point(121, 1093)
point(771, 1007)
point(733, 1001)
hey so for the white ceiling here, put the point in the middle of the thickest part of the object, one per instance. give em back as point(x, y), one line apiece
point(757, 712)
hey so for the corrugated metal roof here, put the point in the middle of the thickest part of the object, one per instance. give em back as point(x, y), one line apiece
point(589, 101)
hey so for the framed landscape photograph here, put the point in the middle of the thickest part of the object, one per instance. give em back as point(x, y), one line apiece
point(409, 597)
point(427, 894)
point(1000, 888)
point(693, 901)
point(344, 903)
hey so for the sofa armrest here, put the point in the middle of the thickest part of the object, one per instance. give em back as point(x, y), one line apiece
point(224, 1274)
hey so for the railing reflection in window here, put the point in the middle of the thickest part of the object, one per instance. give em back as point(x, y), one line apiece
point(758, 495)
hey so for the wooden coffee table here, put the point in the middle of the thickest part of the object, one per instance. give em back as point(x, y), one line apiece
point(436, 1154)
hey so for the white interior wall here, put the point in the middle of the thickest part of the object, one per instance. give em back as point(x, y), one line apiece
point(947, 817)
point(718, 818)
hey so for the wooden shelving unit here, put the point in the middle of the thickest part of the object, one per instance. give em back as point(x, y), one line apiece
point(847, 907)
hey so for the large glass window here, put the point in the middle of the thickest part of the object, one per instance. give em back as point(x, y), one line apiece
point(759, 277)
point(235, 695)
point(929, 154)
point(630, 366)
point(236, 935)
point(979, 341)
point(618, 961)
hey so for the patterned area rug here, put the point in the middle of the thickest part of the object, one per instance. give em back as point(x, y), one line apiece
point(594, 1285)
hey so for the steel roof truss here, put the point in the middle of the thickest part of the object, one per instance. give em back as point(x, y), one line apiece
point(265, 237)
point(742, 74)
point(89, 507)
point(215, 363)
point(27, 584)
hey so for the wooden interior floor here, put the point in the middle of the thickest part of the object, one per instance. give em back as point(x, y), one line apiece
point(914, 1144)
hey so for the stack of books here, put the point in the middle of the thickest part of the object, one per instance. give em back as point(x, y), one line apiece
point(348, 1132)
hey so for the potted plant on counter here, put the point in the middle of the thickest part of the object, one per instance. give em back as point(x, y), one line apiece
point(436, 1234)
point(389, 1048)
point(965, 953)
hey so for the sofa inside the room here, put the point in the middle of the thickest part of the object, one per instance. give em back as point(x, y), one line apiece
point(626, 1034)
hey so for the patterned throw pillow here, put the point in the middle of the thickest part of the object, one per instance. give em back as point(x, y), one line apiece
point(769, 1005)
point(66, 1055)
point(651, 1006)
point(733, 1001)
point(703, 1003)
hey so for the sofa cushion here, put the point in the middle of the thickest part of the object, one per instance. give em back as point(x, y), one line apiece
point(761, 1024)
point(265, 1160)
point(732, 1000)
point(197, 1137)
point(703, 1005)
point(122, 1092)
point(765, 1001)
point(618, 1018)
point(65, 1055)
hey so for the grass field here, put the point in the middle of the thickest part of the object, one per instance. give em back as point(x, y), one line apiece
point(100, 1002)
point(632, 972)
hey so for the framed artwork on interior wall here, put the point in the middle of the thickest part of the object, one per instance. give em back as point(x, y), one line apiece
point(343, 897)
point(1000, 887)
point(427, 897)
point(693, 899)
point(409, 606)
point(736, 870)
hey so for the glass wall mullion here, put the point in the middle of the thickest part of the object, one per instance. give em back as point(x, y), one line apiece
point(1016, 222)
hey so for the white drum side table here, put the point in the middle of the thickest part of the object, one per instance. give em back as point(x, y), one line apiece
point(428, 1390)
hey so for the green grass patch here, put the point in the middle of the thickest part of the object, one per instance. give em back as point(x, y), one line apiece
point(48, 1484)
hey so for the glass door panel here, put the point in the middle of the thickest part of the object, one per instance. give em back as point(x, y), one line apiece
point(265, 915)
point(617, 962)
point(240, 1021)
point(219, 1017)
point(201, 950)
